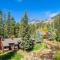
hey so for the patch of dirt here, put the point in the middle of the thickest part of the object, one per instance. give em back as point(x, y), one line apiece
point(41, 55)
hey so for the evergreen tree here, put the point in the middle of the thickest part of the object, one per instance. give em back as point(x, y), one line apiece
point(10, 25)
point(1, 23)
point(5, 26)
point(32, 30)
point(16, 30)
point(26, 42)
point(57, 26)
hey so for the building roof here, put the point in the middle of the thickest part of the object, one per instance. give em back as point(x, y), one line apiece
point(9, 40)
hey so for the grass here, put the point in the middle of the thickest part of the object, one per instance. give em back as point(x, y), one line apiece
point(38, 46)
point(57, 55)
point(13, 55)
point(17, 56)
point(7, 56)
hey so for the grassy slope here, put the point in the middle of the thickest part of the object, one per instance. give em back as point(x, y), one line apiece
point(38, 47)
point(17, 56)
point(13, 55)
point(57, 55)
point(7, 56)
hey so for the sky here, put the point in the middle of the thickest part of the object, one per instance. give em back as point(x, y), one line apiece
point(36, 9)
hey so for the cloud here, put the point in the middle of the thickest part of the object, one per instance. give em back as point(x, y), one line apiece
point(53, 14)
point(44, 15)
point(50, 14)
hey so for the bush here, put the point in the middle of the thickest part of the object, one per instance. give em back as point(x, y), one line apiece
point(52, 36)
point(58, 38)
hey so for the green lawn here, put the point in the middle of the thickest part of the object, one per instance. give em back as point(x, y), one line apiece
point(38, 46)
point(57, 55)
point(17, 56)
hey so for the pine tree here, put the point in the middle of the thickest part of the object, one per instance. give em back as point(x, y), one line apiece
point(57, 26)
point(16, 30)
point(10, 25)
point(4, 26)
point(1, 23)
point(26, 42)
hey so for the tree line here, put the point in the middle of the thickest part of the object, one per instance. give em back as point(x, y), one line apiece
point(9, 27)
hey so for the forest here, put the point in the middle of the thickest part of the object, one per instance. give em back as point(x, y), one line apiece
point(10, 28)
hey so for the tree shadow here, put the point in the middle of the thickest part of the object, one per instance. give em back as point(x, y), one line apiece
point(8, 56)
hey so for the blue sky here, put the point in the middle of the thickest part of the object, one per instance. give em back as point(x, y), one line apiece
point(37, 9)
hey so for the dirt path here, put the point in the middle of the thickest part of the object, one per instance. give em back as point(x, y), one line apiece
point(54, 45)
point(45, 54)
